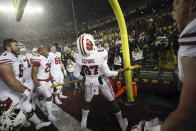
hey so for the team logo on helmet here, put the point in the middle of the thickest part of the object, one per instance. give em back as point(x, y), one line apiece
point(89, 45)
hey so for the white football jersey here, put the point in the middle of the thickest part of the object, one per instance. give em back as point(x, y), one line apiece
point(55, 59)
point(187, 41)
point(6, 90)
point(93, 65)
point(44, 65)
point(19, 70)
point(8, 58)
point(27, 65)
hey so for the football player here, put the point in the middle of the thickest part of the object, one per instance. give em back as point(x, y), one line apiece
point(27, 68)
point(94, 64)
point(57, 70)
point(42, 79)
point(183, 118)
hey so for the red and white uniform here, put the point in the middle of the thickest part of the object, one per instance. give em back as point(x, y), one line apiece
point(187, 41)
point(55, 59)
point(5, 90)
point(17, 66)
point(43, 64)
point(18, 70)
point(27, 66)
point(94, 66)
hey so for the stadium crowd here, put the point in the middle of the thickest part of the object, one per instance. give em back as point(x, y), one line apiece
point(149, 36)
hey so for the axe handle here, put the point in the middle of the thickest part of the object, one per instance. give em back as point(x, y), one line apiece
point(66, 83)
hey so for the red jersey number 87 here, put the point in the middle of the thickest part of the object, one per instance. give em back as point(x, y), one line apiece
point(87, 69)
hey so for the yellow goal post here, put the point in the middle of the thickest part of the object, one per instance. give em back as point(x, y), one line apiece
point(125, 47)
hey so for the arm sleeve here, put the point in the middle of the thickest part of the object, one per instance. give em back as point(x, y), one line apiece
point(76, 72)
point(106, 71)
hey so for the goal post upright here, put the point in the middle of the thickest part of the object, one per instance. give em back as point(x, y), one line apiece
point(125, 47)
point(19, 9)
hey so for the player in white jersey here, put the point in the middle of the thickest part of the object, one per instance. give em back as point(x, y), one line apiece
point(26, 59)
point(184, 117)
point(94, 64)
point(42, 79)
point(10, 71)
point(56, 70)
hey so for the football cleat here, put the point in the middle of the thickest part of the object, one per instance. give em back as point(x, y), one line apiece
point(124, 124)
point(62, 96)
point(83, 125)
point(57, 101)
